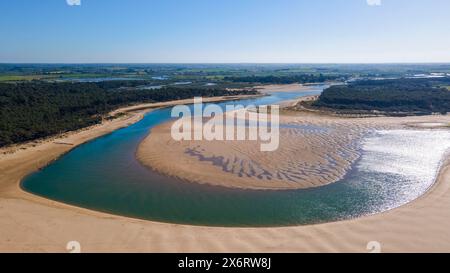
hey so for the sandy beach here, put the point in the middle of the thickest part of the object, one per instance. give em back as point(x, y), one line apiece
point(306, 146)
point(33, 224)
point(283, 87)
point(315, 150)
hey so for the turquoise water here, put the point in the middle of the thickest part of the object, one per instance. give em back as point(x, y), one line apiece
point(104, 175)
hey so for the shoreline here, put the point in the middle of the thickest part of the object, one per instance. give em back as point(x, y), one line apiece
point(35, 224)
point(59, 145)
point(343, 236)
point(293, 87)
point(241, 165)
point(282, 88)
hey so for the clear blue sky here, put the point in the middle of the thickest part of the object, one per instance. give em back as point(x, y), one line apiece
point(186, 31)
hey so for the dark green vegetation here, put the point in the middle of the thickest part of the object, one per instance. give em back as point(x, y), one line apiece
point(44, 99)
point(36, 109)
point(414, 96)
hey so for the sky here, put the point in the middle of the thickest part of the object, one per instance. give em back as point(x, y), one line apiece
point(224, 31)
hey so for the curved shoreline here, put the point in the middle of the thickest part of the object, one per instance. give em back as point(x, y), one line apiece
point(21, 212)
point(309, 143)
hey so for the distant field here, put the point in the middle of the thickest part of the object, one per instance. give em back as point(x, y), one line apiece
point(7, 78)
point(83, 75)
point(11, 78)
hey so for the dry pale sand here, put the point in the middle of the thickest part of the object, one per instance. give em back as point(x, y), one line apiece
point(283, 88)
point(32, 224)
point(309, 155)
point(314, 150)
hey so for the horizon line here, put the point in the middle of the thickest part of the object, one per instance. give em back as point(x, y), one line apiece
point(216, 63)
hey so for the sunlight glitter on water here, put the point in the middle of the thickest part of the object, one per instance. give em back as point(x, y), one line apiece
point(413, 155)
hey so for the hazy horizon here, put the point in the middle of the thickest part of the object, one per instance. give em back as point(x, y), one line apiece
point(219, 63)
point(225, 32)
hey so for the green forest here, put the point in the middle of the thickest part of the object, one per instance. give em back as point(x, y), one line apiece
point(37, 109)
point(419, 96)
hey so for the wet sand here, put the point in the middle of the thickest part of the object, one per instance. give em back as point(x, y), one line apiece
point(310, 154)
point(33, 224)
point(314, 150)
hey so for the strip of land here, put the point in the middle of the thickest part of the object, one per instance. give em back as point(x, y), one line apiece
point(282, 88)
point(33, 224)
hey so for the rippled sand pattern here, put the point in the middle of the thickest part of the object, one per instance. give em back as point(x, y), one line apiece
point(313, 152)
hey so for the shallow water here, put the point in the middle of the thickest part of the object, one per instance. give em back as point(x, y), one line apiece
point(395, 168)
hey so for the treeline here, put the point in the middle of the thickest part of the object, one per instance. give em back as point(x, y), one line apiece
point(33, 110)
point(303, 78)
point(420, 96)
